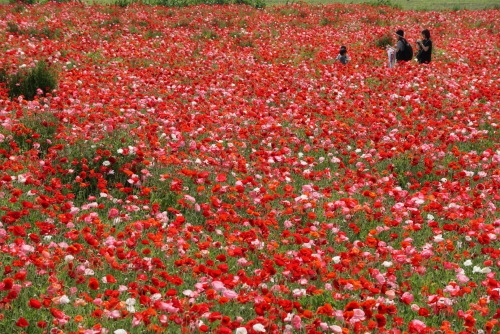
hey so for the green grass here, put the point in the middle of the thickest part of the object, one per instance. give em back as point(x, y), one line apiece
point(404, 4)
point(413, 4)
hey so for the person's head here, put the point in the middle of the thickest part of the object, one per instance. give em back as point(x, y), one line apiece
point(400, 33)
point(343, 52)
point(426, 34)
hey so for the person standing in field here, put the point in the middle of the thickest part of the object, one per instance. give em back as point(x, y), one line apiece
point(343, 57)
point(424, 48)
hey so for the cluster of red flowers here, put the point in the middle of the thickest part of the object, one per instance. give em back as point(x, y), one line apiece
point(213, 169)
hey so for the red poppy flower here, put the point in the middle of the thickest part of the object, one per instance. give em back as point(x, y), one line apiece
point(93, 283)
point(22, 322)
point(35, 303)
point(58, 314)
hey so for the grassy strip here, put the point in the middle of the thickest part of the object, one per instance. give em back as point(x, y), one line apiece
point(411, 4)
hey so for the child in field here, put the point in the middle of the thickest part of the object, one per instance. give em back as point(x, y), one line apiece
point(343, 57)
point(391, 55)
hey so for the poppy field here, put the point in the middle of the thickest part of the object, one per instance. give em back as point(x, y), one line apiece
point(214, 169)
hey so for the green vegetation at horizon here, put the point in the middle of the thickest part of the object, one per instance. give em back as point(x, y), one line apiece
point(411, 4)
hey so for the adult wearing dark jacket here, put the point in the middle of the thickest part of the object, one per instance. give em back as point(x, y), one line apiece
point(400, 45)
point(424, 48)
